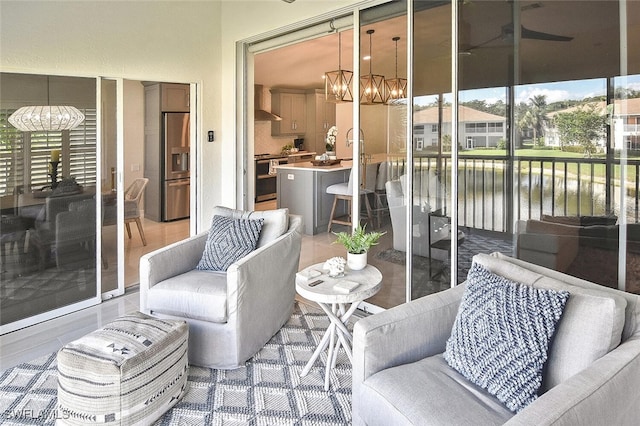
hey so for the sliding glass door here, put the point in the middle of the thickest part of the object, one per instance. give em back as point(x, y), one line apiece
point(48, 188)
point(548, 159)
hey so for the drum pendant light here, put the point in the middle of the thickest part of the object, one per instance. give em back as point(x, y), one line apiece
point(46, 118)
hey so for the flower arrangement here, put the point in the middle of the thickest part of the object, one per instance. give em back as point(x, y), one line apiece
point(330, 144)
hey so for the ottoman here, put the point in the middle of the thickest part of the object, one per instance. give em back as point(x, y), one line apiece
point(129, 372)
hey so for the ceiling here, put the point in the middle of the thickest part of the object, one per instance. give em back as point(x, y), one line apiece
point(593, 52)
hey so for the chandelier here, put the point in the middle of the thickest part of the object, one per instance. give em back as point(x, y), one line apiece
point(372, 86)
point(337, 84)
point(46, 118)
point(396, 87)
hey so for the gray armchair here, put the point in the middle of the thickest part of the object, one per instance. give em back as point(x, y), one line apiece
point(231, 314)
point(400, 376)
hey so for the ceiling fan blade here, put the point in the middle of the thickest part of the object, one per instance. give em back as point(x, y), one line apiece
point(536, 35)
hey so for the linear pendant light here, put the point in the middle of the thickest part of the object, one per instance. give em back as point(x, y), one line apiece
point(337, 84)
point(46, 118)
point(372, 86)
point(396, 87)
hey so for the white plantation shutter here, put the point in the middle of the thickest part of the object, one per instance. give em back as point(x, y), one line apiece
point(25, 156)
point(11, 155)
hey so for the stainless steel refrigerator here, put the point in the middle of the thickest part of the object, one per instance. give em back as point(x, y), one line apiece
point(175, 187)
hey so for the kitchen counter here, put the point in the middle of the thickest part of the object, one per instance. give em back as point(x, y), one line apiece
point(302, 188)
point(306, 165)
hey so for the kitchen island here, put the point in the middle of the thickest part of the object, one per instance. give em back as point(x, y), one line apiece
point(302, 188)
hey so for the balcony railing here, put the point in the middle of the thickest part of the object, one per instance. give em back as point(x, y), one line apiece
point(494, 192)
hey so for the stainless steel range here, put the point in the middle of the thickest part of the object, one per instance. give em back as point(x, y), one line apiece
point(266, 175)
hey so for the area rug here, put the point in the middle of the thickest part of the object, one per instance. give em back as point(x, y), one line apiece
point(433, 276)
point(267, 390)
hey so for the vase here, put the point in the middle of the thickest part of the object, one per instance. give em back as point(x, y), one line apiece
point(356, 262)
point(331, 153)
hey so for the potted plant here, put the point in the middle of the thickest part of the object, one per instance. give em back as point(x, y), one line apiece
point(358, 244)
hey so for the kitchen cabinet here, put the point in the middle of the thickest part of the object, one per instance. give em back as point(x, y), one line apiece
point(291, 106)
point(152, 151)
point(303, 190)
point(321, 115)
point(175, 97)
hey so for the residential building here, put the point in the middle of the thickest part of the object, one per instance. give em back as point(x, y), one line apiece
point(490, 201)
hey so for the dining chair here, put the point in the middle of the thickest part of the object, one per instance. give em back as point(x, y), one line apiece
point(132, 197)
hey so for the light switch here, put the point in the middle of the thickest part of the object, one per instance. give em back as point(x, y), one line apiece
point(211, 136)
point(290, 176)
point(135, 167)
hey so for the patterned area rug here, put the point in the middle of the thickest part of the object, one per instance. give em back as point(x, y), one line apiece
point(268, 390)
point(431, 277)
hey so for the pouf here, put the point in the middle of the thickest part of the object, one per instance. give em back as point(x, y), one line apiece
point(129, 372)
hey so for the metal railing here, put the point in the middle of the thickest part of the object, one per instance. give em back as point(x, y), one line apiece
point(540, 186)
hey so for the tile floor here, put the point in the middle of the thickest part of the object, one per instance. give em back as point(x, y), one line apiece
point(40, 339)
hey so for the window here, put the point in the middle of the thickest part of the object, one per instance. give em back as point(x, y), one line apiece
point(25, 156)
point(434, 128)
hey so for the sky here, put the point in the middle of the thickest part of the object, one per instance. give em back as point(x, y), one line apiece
point(564, 90)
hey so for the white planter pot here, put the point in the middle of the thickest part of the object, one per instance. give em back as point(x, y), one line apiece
point(356, 262)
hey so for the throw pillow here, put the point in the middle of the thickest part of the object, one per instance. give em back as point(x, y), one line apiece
point(228, 241)
point(276, 222)
point(501, 335)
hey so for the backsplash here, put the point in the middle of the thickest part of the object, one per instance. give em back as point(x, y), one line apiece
point(265, 143)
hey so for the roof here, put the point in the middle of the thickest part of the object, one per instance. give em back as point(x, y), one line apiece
point(465, 114)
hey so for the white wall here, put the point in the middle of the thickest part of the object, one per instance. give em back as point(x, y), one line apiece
point(177, 41)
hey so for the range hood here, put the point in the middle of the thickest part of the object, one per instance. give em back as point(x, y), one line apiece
point(260, 114)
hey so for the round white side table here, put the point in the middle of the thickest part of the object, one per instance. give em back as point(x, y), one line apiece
point(335, 304)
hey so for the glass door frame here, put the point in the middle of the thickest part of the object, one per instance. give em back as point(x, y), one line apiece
point(96, 298)
point(119, 290)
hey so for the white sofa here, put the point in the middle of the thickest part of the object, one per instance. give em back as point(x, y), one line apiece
point(591, 377)
point(232, 314)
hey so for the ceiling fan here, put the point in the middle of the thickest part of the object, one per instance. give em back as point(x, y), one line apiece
point(507, 33)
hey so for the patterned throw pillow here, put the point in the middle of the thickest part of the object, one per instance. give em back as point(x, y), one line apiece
point(229, 240)
point(501, 335)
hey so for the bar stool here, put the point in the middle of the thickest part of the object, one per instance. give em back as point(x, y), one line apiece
point(344, 191)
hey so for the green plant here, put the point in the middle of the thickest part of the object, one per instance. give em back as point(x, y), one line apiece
point(359, 241)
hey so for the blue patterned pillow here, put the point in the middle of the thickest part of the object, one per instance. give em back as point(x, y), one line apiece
point(229, 240)
point(501, 335)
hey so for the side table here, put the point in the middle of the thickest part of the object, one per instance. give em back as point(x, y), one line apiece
point(335, 304)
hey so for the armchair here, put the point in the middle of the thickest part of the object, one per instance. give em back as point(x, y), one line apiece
point(400, 376)
point(232, 314)
point(427, 222)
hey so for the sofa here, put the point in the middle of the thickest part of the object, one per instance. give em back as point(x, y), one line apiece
point(231, 314)
point(586, 246)
point(591, 376)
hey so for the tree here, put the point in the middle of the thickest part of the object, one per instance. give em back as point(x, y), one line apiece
point(583, 127)
point(533, 116)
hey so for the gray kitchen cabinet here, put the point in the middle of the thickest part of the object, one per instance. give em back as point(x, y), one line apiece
point(321, 115)
point(152, 154)
point(175, 97)
point(304, 192)
point(291, 106)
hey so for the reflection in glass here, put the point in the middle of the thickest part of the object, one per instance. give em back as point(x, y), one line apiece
point(48, 195)
point(559, 177)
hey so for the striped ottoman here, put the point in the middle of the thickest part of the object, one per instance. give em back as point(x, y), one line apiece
point(129, 372)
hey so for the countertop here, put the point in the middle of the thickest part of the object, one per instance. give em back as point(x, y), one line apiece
point(306, 165)
point(344, 165)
